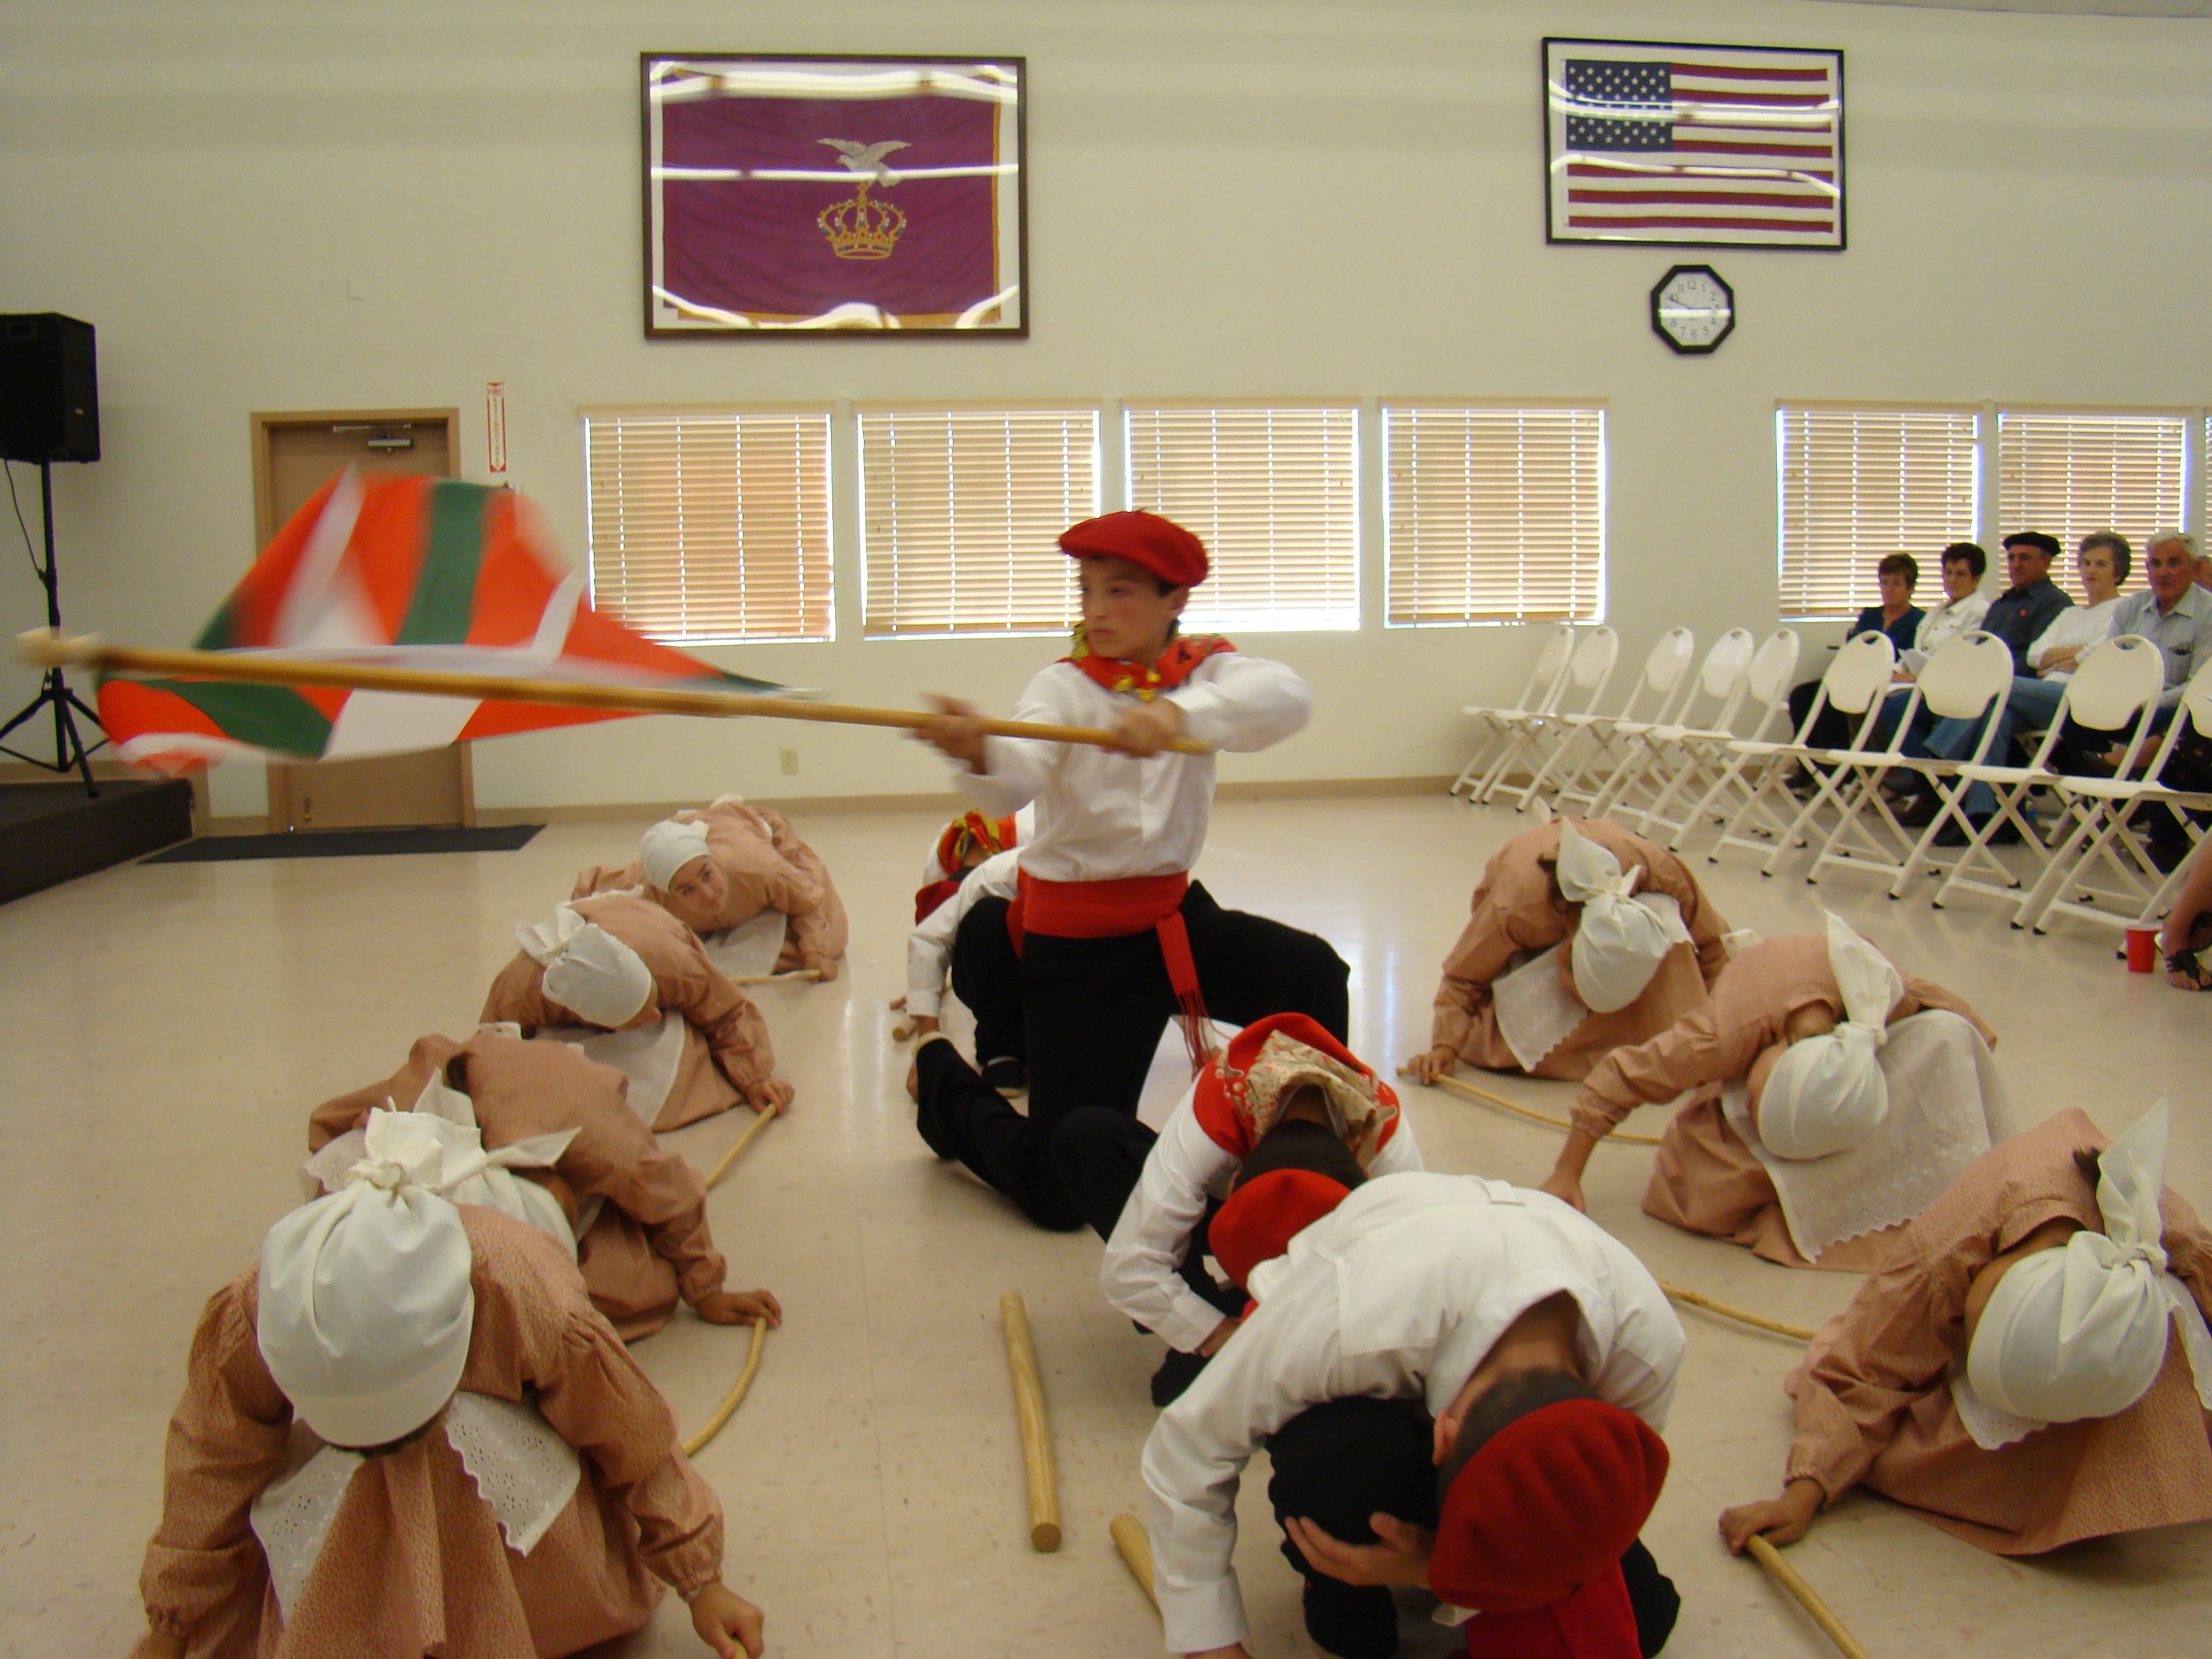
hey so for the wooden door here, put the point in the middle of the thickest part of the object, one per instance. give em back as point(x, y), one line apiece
point(294, 456)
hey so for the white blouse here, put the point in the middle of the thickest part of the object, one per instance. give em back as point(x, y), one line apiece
point(2078, 627)
point(1946, 620)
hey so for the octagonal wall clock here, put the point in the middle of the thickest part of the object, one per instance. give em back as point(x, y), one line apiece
point(1692, 309)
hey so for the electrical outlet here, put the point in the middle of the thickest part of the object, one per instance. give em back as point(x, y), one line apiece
point(790, 760)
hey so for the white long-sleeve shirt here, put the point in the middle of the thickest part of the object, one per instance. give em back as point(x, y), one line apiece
point(2078, 627)
point(1104, 816)
point(1399, 1294)
point(1184, 1168)
point(929, 947)
point(1948, 618)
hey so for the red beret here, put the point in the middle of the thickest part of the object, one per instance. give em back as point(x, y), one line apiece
point(1550, 1502)
point(1144, 539)
point(1263, 1217)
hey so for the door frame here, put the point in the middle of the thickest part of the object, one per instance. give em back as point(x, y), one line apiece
point(261, 423)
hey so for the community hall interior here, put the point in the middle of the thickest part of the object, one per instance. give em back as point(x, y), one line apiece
point(1315, 280)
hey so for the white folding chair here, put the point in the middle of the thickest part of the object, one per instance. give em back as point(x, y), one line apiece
point(1857, 678)
point(1708, 754)
point(1589, 668)
point(2104, 834)
point(1607, 738)
point(1966, 676)
point(1546, 680)
point(1716, 690)
point(2115, 688)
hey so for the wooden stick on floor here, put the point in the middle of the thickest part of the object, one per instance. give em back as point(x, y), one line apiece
point(1135, 1545)
point(778, 979)
point(1036, 1433)
point(1742, 1315)
point(1789, 1578)
point(1459, 1086)
point(731, 1401)
point(761, 1120)
point(47, 647)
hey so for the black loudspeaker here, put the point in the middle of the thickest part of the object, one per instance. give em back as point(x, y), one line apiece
point(49, 389)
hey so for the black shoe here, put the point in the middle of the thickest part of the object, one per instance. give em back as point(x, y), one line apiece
point(1008, 1076)
point(2168, 855)
point(1177, 1372)
point(1352, 1621)
point(1919, 811)
point(1950, 835)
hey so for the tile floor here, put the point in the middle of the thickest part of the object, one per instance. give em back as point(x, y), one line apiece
point(166, 1029)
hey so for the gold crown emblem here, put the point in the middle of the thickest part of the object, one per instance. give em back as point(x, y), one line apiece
point(859, 228)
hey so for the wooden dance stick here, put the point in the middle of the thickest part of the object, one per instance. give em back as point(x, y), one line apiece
point(760, 1121)
point(46, 648)
point(1742, 1315)
point(736, 1396)
point(1036, 1434)
point(1471, 1092)
point(1136, 1546)
point(1789, 1578)
point(778, 979)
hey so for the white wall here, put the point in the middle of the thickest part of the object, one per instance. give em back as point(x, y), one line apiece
point(1243, 198)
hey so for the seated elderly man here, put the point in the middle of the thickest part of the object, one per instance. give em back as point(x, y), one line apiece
point(1897, 574)
point(2013, 1374)
point(718, 866)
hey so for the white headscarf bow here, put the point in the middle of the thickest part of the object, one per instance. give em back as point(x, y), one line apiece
point(2081, 1331)
point(587, 968)
point(1826, 1094)
point(471, 1173)
point(667, 847)
point(1623, 937)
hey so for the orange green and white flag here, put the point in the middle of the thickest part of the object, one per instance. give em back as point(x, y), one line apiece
point(397, 572)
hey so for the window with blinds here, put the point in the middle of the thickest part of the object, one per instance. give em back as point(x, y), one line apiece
point(1272, 492)
point(710, 525)
point(2069, 474)
point(1858, 484)
point(1494, 514)
point(961, 511)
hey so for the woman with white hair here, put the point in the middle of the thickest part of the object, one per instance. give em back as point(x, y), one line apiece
point(1581, 938)
point(1812, 1128)
point(2032, 1367)
point(406, 1432)
point(718, 866)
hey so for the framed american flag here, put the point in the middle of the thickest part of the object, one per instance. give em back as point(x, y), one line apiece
point(880, 198)
point(1693, 146)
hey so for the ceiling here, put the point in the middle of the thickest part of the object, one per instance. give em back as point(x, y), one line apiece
point(2082, 8)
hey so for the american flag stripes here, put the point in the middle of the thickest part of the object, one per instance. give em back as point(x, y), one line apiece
point(1700, 146)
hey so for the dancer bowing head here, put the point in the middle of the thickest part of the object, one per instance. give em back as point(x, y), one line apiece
point(1115, 937)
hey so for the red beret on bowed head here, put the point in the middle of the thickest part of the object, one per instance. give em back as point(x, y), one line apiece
point(1263, 1217)
point(1550, 1502)
point(1145, 540)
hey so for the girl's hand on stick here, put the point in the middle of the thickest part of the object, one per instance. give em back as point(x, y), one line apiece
point(1431, 1064)
point(727, 1622)
point(769, 1096)
point(741, 1308)
point(1782, 1521)
point(956, 733)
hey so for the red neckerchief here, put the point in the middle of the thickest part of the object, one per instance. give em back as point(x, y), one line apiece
point(1176, 664)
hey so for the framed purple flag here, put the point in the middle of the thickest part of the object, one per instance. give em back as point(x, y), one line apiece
point(847, 195)
point(1693, 146)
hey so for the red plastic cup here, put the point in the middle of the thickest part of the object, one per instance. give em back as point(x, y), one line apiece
point(2142, 950)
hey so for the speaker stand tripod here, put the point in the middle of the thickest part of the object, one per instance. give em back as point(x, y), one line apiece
point(71, 753)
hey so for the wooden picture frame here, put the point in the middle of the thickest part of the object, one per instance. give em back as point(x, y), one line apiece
point(1660, 143)
point(852, 196)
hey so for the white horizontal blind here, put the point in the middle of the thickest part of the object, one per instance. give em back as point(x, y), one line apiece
point(1858, 484)
point(2066, 475)
point(1494, 514)
point(710, 525)
point(961, 511)
point(1274, 493)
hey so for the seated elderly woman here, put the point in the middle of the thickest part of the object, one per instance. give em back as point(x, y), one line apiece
point(1582, 937)
point(1832, 1098)
point(1897, 575)
point(2012, 1375)
point(719, 866)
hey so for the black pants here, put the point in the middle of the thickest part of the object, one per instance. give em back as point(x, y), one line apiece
point(1338, 1463)
point(1094, 1010)
point(1835, 728)
point(987, 976)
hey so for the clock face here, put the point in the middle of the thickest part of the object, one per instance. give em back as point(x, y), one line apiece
point(1692, 309)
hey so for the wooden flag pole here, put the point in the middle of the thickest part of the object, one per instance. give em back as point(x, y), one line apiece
point(1789, 1578)
point(46, 648)
point(1469, 1091)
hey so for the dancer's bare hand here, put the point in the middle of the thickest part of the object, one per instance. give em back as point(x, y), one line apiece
point(1780, 1521)
point(741, 1308)
point(826, 968)
point(1400, 1558)
point(1431, 1064)
point(727, 1622)
point(1561, 1185)
point(1146, 729)
point(955, 732)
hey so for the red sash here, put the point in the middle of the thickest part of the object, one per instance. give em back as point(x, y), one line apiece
point(1176, 664)
point(1116, 910)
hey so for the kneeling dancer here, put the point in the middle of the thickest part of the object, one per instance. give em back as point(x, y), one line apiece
point(406, 1433)
point(1459, 1383)
point(967, 939)
point(618, 962)
point(635, 1213)
point(1833, 1098)
point(1116, 940)
point(1283, 1094)
point(2032, 1368)
point(1582, 938)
